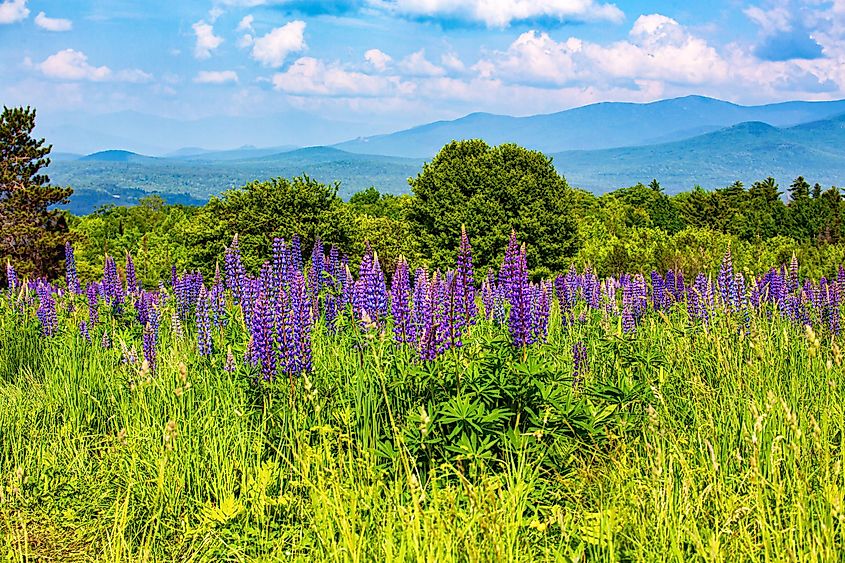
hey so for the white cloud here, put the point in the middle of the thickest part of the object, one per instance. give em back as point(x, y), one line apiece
point(216, 76)
point(310, 76)
point(206, 40)
point(73, 65)
point(501, 13)
point(378, 59)
point(416, 64)
point(215, 13)
point(246, 23)
point(272, 49)
point(12, 11)
point(52, 24)
point(659, 48)
point(452, 62)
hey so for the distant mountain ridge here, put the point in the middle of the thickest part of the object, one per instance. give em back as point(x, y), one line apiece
point(597, 126)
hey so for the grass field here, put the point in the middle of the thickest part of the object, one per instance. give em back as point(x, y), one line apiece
point(680, 439)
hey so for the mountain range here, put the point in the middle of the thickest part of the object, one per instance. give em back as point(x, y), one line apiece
point(680, 142)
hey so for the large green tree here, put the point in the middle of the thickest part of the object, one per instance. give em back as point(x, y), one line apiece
point(260, 211)
point(32, 235)
point(493, 190)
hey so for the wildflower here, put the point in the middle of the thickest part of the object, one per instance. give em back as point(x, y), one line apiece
point(203, 318)
point(71, 277)
point(83, 330)
point(229, 366)
point(400, 294)
point(131, 277)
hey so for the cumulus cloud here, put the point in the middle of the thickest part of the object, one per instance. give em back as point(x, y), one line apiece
point(12, 11)
point(206, 41)
point(272, 49)
point(310, 76)
point(658, 48)
point(73, 65)
point(246, 23)
point(788, 31)
point(216, 76)
point(416, 64)
point(501, 13)
point(378, 59)
point(52, 24)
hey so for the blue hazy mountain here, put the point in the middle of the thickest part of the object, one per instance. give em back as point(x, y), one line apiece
point(596, 126)
point(748, 152)
point(706, 155)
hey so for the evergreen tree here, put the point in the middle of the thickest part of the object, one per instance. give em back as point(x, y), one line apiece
point(32, 235)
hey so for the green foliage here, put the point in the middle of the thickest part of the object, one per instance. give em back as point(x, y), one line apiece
point(32, 236)
point(151, 231)
point(492, 190)
point(260, 211)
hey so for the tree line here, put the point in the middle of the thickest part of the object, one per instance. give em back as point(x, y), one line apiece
point(489, 189)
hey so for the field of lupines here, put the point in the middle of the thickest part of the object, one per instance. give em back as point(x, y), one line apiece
point(308, 413)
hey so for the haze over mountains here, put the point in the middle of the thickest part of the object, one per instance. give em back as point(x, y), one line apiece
point(681, 142)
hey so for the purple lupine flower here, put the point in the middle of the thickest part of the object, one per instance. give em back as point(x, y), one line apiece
point(840, 279)
point(235, 272)
point(150, 347)
point(316, 276)
point(93, 304)
point(519, 317)
point(727, 283)
point(400, 309)
point(833, 309)
point(628, 307)
point(112, 286)
point(83, 330)
point(262, 334)
point(105, 342)
point(203, 314)
point(658, 289)
point(453, 320)
point(229, 366)
point(421, 311)
point(540, 312)
point(425, 310)
point(132, 285)
point(71, 276)
point(465, 281)
point(11, 276)
point(301, 311)
point(176, 325)
point(579, 362)
point(47, 310)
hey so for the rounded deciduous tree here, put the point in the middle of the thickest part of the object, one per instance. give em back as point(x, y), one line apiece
point(493, 190)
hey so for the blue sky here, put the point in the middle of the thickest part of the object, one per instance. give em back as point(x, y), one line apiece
point(382, 65)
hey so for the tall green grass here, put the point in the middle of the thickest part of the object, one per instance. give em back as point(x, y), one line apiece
point(733, 452)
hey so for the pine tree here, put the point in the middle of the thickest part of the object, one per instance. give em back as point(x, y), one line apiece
point(32, 235)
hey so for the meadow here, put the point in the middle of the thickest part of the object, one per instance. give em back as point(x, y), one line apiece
point(303, 412)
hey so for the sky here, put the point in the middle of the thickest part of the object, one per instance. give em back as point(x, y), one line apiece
point(383, 65)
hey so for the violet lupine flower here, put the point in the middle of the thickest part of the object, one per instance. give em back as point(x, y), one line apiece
point(296, 253)
point(217, 298)
point(540, 312)
point(235, 272)
point(421, 311)
point(840, 279)
point(112, 285)
point(47, 310)
point(176, 325)
point(203, 314)
point(510, 265)
point(453, 320)
point(71, 277)
point(229, 365)
point(833, 309)
point(93, 304)
point(105, 342)
point(400, 308)
point(727, 283)
point(262, 337)
point(426, 311)
point(658, 290)
point(579, 362)
point(150, 347)
point(519, 317)
point(12, 276)
point(132, 285)
point(83, 330)
point(565, 298)
point(301, 313)
point(465, 281)
point(628, 314)
point(334, 277)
